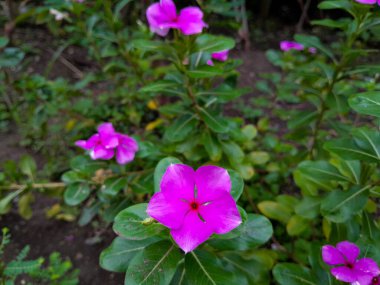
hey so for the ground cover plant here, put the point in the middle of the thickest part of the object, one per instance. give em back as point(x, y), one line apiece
point(180, 173)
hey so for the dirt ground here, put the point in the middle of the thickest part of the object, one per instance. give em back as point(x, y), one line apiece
point(44, 235)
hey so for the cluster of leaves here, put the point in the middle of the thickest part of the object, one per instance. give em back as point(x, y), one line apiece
point(336, 162)
point(56, 272)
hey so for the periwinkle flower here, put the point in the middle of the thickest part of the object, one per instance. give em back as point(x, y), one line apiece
point(162, 17)
point(288, 45)
point(220, 56)
point(347, 267)
point(195, 204)
point(368, 2)
point(58, 15)
point(104, 144)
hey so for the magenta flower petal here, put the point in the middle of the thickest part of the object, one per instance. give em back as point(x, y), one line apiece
point(124, 154)
point(349, 250)
point(212, 182)
point(209, 62)
point(157, 19)
point(128, 142)
point(368, 2)
point(221, 215)
point(220, 55)
point(106, 129)
point(190, 21)
point(178, 182)
point(288, 45)
point(168, 7)
point(367, 265)
point(169, 212)
point(93, 141)
point(82, 144)
point(364, 279)
point(192, 233)
point(100, 152)
point(332, 256)
point(345, 274)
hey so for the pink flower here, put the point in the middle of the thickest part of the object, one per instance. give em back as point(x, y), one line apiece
point(347, 266)
point(286, 46)
point(103, 145)
point(220, 56)
point(163, 16)
point(368, 2)
point(195, 204)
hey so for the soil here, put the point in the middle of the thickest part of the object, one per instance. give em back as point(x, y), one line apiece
point(48, 235)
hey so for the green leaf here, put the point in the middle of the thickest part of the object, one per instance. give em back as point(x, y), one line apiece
point(76, 193)
point(203, 268)
point(118, 255)
point(321, 170)
point(254, 232)
point(134, 223)
point(275, 211)
point(156, 265)
point(293, 274)
point(367, 103)
point(205, 71)
point(337, 4)
point(224, 93)
point(181, 128)
point(5, 202)
point(159, 86)
point(15, 268)
point(365, 146)
point(313, 41)
point(3, 41)
point(211, 43)
point(237, 184)
point(309, 207)
point(339, 206)
point(215, 123)
point(160, 170)
point(28, 166)
point(89, 213)
point(212, 146)
point(11, 57)
point(233, 151)
point(112, 186)
point(24, 205)
point(296, 225)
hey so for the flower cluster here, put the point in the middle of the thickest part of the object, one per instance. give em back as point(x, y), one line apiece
point(195, 204)
point(107, 142)
point(347, 267)
point(288, 45)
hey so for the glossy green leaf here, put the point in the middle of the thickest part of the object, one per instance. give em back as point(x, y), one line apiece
point(367, 103)
point(181, 128)
point(293, 274)
point(203, 268)
point(254, 232)
point(205, 72)
point(76, 193)
point(134, 223)
point(215, 123)
point(339, 206)
point(275, 211)
point(237, 184)
point(212, 146)
point(28, 166)
point(112, 186)
point(313, 41)
point(211, 43)
point(297, 225)
point(119, 254)
point(156, 265)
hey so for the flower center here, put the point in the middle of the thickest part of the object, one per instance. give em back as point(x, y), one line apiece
point(375, 280)
point(349, 265)
point(194, 205)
